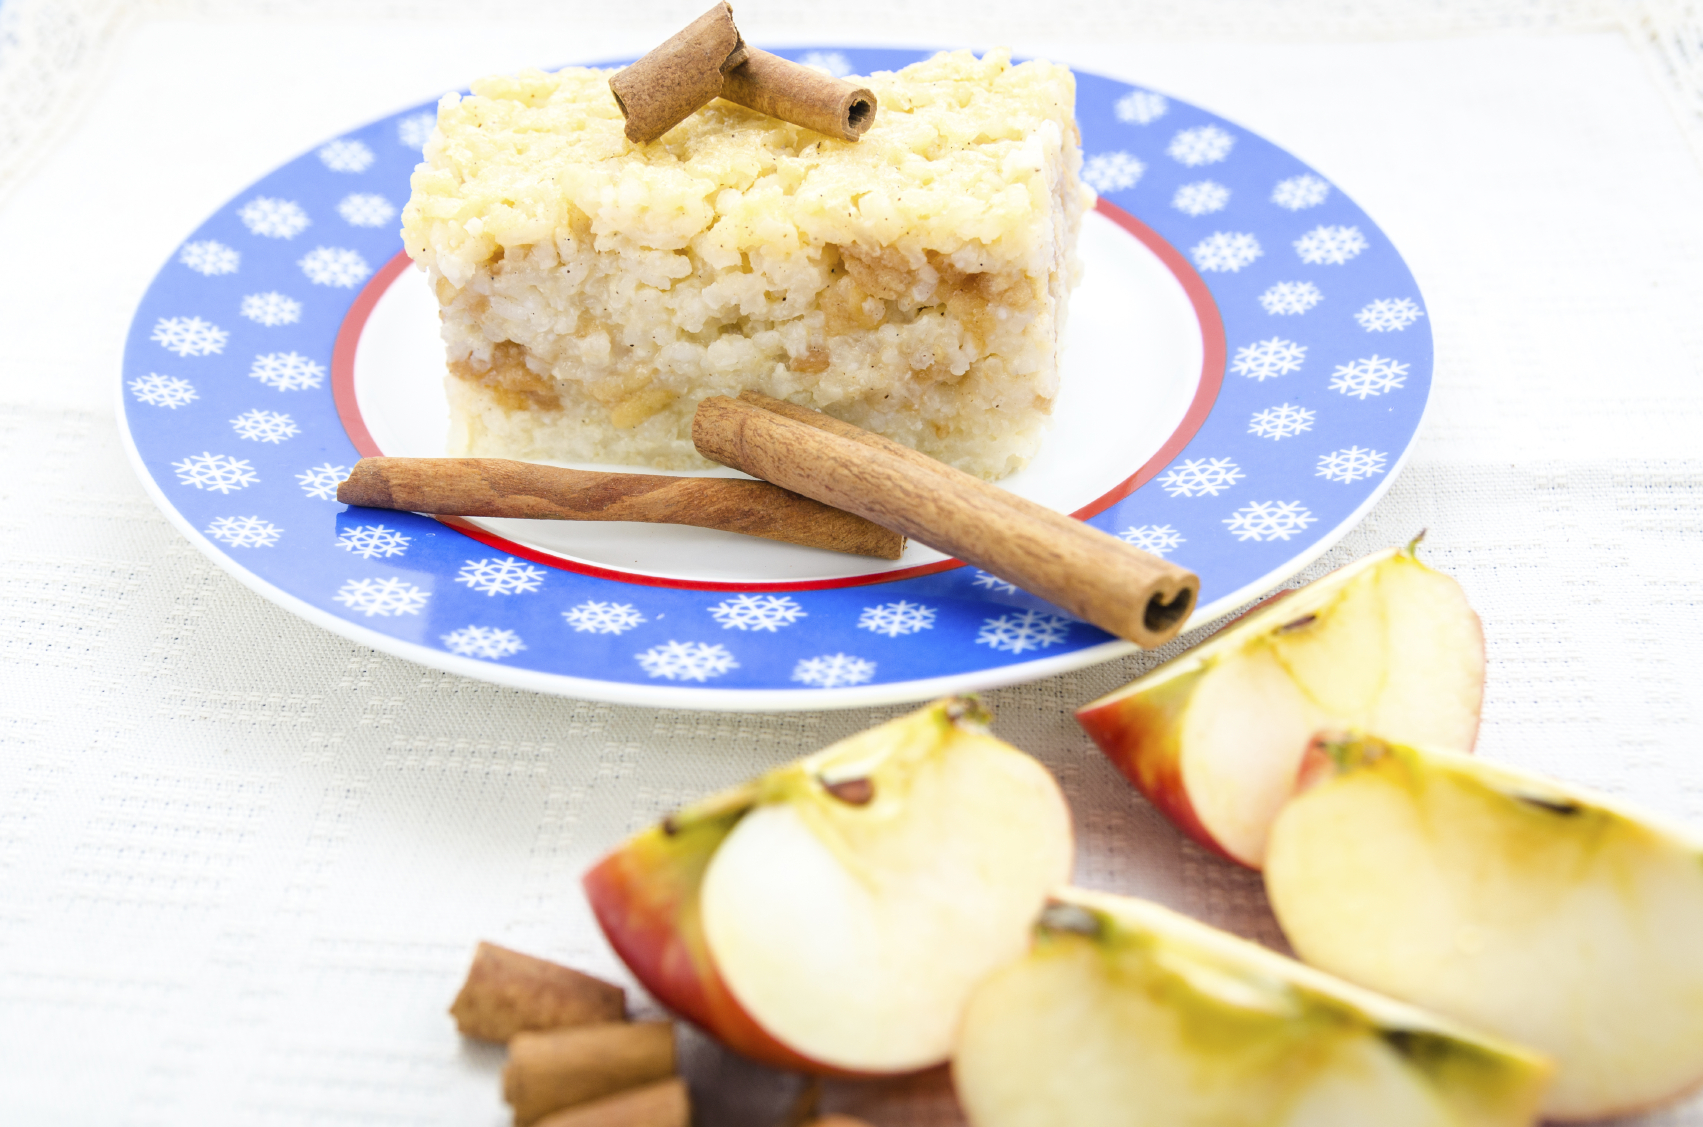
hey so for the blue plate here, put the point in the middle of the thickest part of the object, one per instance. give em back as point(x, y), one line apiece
point(241, 416)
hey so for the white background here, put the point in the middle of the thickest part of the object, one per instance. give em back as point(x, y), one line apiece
point(243, 862)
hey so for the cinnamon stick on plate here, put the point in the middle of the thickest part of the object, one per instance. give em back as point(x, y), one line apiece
point(1092, 575)
point(497, 487)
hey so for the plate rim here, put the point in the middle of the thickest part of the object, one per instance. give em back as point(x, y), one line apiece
point(726, 699)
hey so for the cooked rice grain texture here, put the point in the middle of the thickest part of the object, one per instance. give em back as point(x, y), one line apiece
point(593, 291)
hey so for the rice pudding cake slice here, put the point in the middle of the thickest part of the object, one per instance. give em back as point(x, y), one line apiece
point(913, 283)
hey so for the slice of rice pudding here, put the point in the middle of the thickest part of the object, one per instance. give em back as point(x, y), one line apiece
point(913, 283)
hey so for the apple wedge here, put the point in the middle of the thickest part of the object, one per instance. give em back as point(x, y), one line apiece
point(1126, 1014)
point(1537, 911)
point(833, 915)
point(1214, 737)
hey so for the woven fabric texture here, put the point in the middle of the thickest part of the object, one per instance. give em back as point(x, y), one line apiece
point(243, 862)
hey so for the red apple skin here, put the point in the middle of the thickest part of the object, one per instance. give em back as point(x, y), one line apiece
point(1139, 734)
point(645, 898)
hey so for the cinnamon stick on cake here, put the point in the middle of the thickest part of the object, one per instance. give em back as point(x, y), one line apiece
point(593, 290)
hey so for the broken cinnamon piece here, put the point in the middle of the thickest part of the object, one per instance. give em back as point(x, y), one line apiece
point(655, 1105)
point(507, 993)
point(800, 94)
point(673, 81)
point(560, 1068)
point(497, 487)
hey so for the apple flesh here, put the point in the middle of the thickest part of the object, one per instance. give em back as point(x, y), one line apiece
point(1214, 737)
point(832, 915)
point(1537, 911)
point(1125, 1014)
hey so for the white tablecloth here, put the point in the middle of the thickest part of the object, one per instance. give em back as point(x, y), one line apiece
point(243, 862)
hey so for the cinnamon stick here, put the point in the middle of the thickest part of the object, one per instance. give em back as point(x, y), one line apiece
point(563, 1067)
point(1094, 576)
point(507, 993)
point(664, 1104)
point(796, 93)
point(673, 81)
point(497, 487)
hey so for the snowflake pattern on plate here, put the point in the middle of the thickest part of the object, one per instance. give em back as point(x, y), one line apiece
point(244, 532)
point(1269, 520)
point(271, 309)
point(210, 257)
point(1267, 359)
point(1203, 197)
point(757, 612)
point(384, 597)
point(1286, 298)
point(505, 576)
point(1023, 630)
point(1371, 376)
point(483, 641)
point(1111, 172)
point(686, 661)
point(321, 482)
point(346, 156)
point(1226, 250)
point(273, 219)
point(415, 130)
point(373, 541)
point(286, 371)
point(1330, 245)
point(1158, 539)
point(291, 253)
point(993, 583)
point(1142, 107)
point(189, 336)
point(1350, 464)
point(1283, 421)
point(1300, 192)
point(595, 617)
point(1201, 477)
point(1205, 144)
point(364, 209)
point(834, 62)
point(217, 473)
point(162, 391)
point(1389, 315)
point(897, 619)
point(335, 266)
point(264, 426)
point(832, 671)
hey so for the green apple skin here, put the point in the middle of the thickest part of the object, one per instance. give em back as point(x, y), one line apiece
point(1384, 643)
point(1125, 1014)
point(1541, 912)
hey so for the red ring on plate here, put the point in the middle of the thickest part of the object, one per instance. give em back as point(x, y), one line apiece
point(1213, 355)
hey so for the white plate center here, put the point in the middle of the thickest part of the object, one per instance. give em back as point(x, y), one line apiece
point(1132, 363)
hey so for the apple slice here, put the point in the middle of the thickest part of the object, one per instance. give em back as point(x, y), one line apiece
point(1214, 737)
point(833, 914)
point(1126, 1014)
point(1535, 910)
